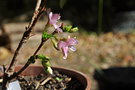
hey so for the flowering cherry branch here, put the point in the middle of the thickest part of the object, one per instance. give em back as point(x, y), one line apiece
point(60, 44)
point(44, 38)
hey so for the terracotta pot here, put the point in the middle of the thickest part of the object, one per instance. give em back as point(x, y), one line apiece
point(35, 70)
point(117, 78)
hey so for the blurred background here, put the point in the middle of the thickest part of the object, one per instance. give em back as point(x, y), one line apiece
point(106, 36)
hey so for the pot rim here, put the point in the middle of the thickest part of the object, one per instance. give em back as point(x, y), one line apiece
point(84, 76)
point(81, 76)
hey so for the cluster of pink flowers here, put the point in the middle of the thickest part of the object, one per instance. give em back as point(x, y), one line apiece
point(63, 45)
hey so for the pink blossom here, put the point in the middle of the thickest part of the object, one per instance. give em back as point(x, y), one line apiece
point(53, 19)
point(68, 44)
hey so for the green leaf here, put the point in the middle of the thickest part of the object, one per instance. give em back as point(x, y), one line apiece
point(62, 3)
point(75, 29)
point(45, 35)
point(46, 63)
point(58, 79)
point(42, 57)
point(67, 28)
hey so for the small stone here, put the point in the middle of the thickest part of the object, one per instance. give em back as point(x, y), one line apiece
point(67, 79)
point(61, 85)
point(48, 86)
point(50, 82)
point(54, 81)
point(14, 85)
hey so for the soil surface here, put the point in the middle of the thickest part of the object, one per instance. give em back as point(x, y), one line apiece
point(56, 81)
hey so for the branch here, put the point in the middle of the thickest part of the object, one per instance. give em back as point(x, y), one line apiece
point(36, 16)
point(38, 5)
point(26, 35)
point(28, 62)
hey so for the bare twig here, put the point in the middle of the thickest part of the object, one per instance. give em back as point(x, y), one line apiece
point(45, 80)
point(5, 78)
point(38, 5)
point(26, 36)
point(37, 14)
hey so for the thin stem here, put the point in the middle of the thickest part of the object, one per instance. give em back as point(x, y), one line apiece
point(15, 55)
point(28, 62)
point(41, 44)
point(4, 79)
point(38, 4)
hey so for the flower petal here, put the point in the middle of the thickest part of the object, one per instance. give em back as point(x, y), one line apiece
point(57, 27)
point(68, 44)
point(72, 48)
point(65, 52)
point(61, 44)
point(72, 41)
point(50, 16)
point(55, 17)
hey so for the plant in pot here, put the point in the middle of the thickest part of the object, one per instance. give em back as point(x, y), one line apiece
point(28, 77)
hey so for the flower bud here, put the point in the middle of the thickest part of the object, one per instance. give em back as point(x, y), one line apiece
point(55, 43)
point(75, 29)
point(67, 28)
point(49, 70)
